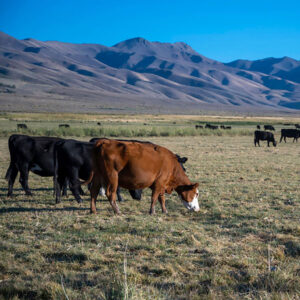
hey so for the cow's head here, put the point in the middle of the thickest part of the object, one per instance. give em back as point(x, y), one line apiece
point(274, 143)
point(189, 196)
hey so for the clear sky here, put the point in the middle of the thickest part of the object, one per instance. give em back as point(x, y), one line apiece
point(223, 30)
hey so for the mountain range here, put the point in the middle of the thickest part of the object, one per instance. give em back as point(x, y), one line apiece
point(137, 75)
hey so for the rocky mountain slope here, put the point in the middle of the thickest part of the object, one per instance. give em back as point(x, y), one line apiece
point(138, 75)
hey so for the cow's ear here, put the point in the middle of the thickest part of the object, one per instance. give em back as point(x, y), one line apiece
point(183, 160)
point(195, 185)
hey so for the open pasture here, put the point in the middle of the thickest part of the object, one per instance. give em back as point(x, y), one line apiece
point(243, 244)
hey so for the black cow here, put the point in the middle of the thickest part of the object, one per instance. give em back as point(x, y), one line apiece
point(99, 123)
point(269, 127)
point(225, 127)
point(198, 126)
point(64, 126)
point(22, 126)
point(211, 126)
point(297, 125)
point(290, 133)
point(73, 160)
point(264, 136)
point(33, 154)
point(258, 126)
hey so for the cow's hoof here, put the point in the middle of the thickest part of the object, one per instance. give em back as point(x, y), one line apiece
point(121, 200)
point(28, 193)
point(93, 212)
point(79, 201)
point(9, 194)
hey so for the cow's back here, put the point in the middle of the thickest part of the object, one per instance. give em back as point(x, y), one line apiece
point(138, 164)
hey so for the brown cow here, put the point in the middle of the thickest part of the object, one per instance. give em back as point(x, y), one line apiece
point(138, 165)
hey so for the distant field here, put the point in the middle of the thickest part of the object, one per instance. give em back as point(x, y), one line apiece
point(243, 244)
point(85, 125)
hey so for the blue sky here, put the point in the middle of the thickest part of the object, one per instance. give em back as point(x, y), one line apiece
point(223, 30)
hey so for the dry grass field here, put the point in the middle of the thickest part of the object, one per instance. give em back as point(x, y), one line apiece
point(243, 244)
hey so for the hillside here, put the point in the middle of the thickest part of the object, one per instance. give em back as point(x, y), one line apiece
point(137, 75)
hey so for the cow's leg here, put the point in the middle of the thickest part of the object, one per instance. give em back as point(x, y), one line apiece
point(12, 173)
point(111, 191)
point(65, 187)
point(81, 191)
point(24, 169)
point(74, 184)
point(155, 194)
point(94, 189)
point(119, 196)
point(255, 142)
point(281, 139)
point(61, 181)
point(285, 139)
point(268, 143)
point(162, 200)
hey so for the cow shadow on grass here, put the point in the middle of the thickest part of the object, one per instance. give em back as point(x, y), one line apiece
point(32, 209)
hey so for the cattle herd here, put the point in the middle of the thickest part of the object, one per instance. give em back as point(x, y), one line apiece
point(101, 162)
point(269, 136)
point(107, 164)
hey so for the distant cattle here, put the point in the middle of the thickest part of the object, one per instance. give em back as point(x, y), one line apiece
point(99, 123)
point(269, 127)
point(135, 165)
point(225, 127)
point(297, 125)
point(33, 154)
point(211, 126)
point(258, 126)
point(287, 124)
point(64, 126)
point(22, 126)
point(264, 136)
point(198, 126)
point(290, 133)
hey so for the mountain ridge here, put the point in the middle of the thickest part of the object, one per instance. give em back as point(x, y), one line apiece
point(137, 72)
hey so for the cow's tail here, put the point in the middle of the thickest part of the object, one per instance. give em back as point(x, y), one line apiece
point(89, 180)
point(55, 160)
point(9, 170)
point(12, 163)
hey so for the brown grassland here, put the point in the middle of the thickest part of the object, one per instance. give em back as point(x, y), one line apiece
point(243, 244)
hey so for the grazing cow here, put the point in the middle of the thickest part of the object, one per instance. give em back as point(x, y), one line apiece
point(297, 125)
point(198, 126)
point(211, 126)
point(64, 126)
point(99, 123)
point(264, 136)
point(137, 194)
point(225, 127)
point(33, 154)
point(290, 133)
point(269, 127)
point(73, 160)
point(22, 126)
point(135, 165)
point(258, 127)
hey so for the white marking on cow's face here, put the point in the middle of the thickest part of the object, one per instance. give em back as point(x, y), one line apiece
point(36, 168)
point(193, 205)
